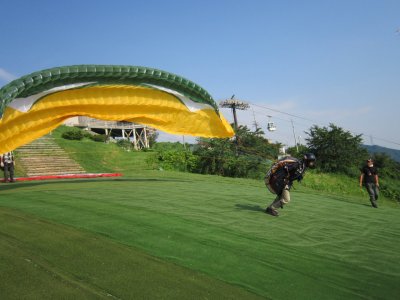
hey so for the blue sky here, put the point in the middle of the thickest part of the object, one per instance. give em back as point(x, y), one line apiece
point(323, 61)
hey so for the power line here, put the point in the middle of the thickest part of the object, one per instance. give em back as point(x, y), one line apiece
point(316, 123)
point(282, 112)
point(278, 118)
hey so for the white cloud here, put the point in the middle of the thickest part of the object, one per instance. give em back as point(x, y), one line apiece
point(6, 76)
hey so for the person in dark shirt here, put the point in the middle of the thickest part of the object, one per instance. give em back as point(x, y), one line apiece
point(369, 178)
point(281, 176)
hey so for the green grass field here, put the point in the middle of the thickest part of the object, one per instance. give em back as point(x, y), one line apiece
point(169, 235)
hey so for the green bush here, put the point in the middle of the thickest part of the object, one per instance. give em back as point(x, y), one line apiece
point(184, 161)
point(125, 144)
point(73, 134)
point(389, 188)
point(167, 146)
point(246, 166)
point(98, 138)
point(87, 135)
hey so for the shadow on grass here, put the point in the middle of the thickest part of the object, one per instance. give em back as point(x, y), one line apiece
point(250, 207)
point(350, 200)
point(22, 184)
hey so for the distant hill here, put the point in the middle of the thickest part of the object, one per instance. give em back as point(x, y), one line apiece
point(393, 153)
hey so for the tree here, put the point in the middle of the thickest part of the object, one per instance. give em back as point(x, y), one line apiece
point(254, 143)
point(248, 157)
point(297, 151)
point(153, 138)
point(387, 166)
point(336, 149)
point(213, 154)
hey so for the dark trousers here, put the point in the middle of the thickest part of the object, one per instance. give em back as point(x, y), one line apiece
point(373, 192)
point(9, 169)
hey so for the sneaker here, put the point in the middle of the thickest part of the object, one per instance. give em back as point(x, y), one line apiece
point(271, 212)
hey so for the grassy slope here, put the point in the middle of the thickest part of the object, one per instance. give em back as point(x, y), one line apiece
point(322, 246)
point(100, 157)
point(44, 260)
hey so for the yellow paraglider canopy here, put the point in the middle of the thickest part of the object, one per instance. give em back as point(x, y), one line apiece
point(35, 104)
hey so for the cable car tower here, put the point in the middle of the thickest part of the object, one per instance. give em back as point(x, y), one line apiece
point(234, 104)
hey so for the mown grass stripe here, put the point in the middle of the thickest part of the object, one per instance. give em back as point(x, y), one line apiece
point(45, 260)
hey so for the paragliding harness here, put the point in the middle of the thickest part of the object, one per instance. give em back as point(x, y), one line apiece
point(279, 175)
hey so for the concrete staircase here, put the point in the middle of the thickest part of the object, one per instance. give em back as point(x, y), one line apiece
point(44, 157)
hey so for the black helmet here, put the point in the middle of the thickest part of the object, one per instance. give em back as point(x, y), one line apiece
point(309, 159)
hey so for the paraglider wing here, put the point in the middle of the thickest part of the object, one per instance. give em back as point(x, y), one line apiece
point(35, 104)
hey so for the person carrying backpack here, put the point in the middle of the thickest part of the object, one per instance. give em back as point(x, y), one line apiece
point(280, 177)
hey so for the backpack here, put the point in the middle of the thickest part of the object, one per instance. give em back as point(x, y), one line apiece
point(278, 175)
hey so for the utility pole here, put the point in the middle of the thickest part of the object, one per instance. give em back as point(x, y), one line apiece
point(294, 135)
point(299, 140)
point(255, 121)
